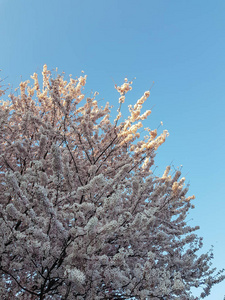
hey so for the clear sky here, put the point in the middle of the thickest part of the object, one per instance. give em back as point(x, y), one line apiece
point(180, 45)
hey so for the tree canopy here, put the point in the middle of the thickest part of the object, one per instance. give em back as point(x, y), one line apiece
point(82, 216)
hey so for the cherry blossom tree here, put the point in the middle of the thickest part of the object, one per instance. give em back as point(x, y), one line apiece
point(82, 216)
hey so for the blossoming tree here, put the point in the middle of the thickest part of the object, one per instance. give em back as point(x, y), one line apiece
point(81, 214)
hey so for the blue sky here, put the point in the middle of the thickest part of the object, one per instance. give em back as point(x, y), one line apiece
point(178, 44)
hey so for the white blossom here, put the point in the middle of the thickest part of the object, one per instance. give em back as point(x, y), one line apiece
point(82, 216)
